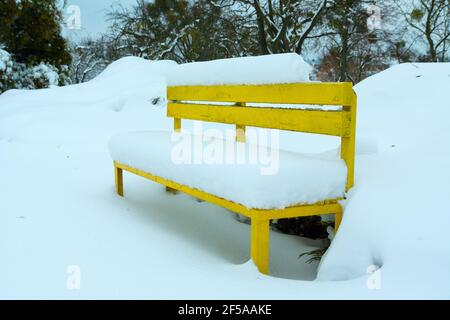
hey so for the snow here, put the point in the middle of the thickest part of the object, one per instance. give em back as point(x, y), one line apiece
point(398, 202)
point(6, 65)
point(279, 68)
point(19, 75)
point(46, 72)
point(257, 177)
point(59, 209)
point(266, 69)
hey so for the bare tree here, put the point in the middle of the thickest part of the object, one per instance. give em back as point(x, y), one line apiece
point(88, 59)
point(431, 19)
point(348, 20)
point(283, 25)
point(364, 38)
point(180, 30)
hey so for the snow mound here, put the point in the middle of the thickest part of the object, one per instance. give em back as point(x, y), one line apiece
point(397, 215)
point(266, 69)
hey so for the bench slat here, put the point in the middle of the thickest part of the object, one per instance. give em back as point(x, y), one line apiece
point(334, 93)
point(335, 123)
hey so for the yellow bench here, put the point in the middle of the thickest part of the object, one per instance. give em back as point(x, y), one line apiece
point(339, 123)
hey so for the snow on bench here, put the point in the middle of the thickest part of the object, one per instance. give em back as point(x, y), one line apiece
point(301, 186)
point(286, 179)
point(266, 69)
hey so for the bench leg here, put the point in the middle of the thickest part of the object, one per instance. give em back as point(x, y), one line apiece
point(118, 174)
point(337, 221)
point(259, 246)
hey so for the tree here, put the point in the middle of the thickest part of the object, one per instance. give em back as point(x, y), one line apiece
point(400, 52)
point(217, 32)
point(363, 61)
point(431, 19)
point(144, 28)
point(30, 30)
point(282, 25)
point(180, 30)
point(89, 58)
point(8, 14)
point(347, 20)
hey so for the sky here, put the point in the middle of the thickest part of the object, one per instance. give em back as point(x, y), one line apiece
point(92, 16)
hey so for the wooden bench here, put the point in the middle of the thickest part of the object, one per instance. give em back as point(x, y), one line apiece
point(339, 123)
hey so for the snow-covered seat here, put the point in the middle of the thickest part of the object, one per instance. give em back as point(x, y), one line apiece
point(281, 180)
point(299, 185)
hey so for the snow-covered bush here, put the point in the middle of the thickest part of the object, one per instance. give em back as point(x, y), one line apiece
point(14, 75)
point(40, 76)
point(6, 71)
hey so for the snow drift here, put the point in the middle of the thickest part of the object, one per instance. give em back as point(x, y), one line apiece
point(396, 217)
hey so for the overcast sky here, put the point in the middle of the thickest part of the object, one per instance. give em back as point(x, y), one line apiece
point(93, 16)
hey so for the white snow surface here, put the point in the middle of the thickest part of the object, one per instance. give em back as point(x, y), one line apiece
point(59, 209)
point(266, 69)
point(283, 179)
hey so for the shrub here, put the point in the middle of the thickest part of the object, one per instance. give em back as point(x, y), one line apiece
point(40, 76)
point(14, 75)
point(310, 227)
point(6, 71)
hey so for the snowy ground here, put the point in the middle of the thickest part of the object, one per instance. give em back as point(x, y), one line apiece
point(58, 207)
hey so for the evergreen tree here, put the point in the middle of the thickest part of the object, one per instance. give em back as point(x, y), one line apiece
point(30, 30)
point(8, 14)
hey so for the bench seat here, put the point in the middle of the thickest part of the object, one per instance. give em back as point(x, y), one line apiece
point(296, 179)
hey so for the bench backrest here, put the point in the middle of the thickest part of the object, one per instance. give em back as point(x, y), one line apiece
point(200, 103)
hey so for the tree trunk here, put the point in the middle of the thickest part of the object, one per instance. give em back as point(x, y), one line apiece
point(343, 54)
point(428, 31)
point(311, 26)
point(432, 49)
point(261, 29)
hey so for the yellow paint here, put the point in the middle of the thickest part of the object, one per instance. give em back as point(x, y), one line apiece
point(240, 129)
point(323, 207)
point(331, 93)
point(337, 123)
point(329, 207)
point(312, 121)
point(348, 142)
point(176, 124)
point(240, 133)
point(259, 243)
point(337, 220)
point(118, 175)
